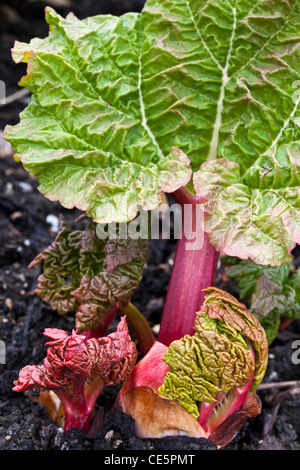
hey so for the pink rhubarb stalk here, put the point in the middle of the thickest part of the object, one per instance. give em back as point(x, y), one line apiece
point(193, 271)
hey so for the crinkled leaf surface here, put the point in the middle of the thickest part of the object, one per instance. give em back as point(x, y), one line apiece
point(243, 219)
point(70, 358)
point(113, 96)
point(273, 293)
point(88, 275)
point(85, 134)
point(246, 273)
point(217, 357)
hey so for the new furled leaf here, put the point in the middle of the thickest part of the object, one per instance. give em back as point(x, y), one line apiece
point(73, 357)
point(217, 358)
point(206, 380)
point(77, 369)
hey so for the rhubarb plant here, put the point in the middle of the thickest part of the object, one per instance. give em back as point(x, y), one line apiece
point(184, 97)
point(191, 98)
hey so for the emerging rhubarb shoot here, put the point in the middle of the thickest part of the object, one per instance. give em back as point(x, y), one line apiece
point(77, 369)
point(212, 375)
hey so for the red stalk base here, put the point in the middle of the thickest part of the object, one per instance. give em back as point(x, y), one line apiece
point(79, 407)
point(213, 415)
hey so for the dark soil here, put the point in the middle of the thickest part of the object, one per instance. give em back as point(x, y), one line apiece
point(26, 229)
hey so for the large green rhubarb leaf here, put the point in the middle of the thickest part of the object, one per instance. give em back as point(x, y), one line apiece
point(85, 133)
point(114, 99)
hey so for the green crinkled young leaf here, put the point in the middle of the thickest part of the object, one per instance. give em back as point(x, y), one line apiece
point(62, 265)
point(273, 293)
point(203, 365)
point(83, 273)
point(217, 357)
point(114, 99)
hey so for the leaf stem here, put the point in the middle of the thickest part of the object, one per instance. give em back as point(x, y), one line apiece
point(193, 270)
point(138, 323)
point(77, 413)
point(105, 321)
point(79, 404)
point(93, 391)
